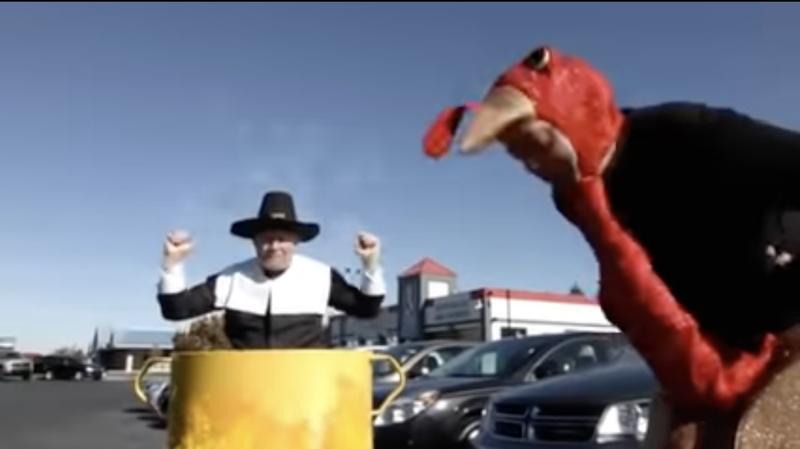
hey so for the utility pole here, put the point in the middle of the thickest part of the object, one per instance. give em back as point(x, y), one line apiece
point(352, 276)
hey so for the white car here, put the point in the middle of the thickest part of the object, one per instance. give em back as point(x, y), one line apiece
point(13, 364)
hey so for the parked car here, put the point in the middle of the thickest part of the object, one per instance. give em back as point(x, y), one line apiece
point(13, 364)
point(417, 358)
point(158, 397)
point(162, 401)
point(61, 367)
point(606, 407)
point(370, 348)
point(443, 409)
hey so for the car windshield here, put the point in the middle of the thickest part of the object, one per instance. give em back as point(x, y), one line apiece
point(620, 350)
point(626, 354)
point(10, 355)
point(401, 353)
point(497, 359)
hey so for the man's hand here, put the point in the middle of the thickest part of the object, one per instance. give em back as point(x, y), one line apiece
point(368, 249)
point(177, 246)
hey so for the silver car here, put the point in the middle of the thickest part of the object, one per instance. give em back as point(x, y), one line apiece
point(13, 364)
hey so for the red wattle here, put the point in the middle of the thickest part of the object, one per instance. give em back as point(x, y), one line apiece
point(694, 370)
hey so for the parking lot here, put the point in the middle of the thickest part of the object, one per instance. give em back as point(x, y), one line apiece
point(75, 415)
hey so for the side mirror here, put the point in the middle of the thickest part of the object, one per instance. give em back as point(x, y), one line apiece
point(550, 368)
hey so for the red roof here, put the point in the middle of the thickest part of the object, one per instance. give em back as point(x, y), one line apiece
point(430, 267)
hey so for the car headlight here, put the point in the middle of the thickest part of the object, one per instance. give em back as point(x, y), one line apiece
point(624, 420)
point(403, 409)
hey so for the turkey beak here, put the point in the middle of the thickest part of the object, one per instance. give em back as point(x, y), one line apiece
point(502, 107)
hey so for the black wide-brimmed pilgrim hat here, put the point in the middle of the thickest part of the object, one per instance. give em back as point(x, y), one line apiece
point(276, 213)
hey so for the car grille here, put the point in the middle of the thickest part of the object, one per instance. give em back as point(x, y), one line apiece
point(549, 423)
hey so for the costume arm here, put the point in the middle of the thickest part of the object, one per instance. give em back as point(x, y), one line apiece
point(361, 303)
point(695, 371)
point(178, 302)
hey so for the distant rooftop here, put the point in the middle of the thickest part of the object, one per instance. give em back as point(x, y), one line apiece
point(430, 267)
point(532, 295)
point(134, 339)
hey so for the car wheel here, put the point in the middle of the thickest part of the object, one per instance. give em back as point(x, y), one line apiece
point(78, 375)
point(48, 375)
point(26, 377)
point(469, 434)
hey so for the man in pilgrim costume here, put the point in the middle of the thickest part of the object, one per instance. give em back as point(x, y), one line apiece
point(278, 299)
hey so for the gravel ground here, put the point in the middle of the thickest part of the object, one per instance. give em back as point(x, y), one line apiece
point(75, 415)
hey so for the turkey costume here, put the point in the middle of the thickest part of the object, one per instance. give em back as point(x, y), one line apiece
point(285, 309)
point(676, 201)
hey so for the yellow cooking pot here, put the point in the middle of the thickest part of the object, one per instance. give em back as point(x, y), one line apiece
point(273, 399)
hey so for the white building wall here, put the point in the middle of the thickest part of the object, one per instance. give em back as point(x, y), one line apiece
point(546, 316)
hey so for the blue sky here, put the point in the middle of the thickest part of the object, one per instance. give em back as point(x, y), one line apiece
point(120, 121)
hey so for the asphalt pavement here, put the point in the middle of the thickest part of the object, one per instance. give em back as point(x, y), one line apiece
point(75, 415)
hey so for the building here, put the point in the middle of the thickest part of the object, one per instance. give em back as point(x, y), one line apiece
point(430, 306)
point(127, 349)
point(347, 331)
point(8, 343)
point(493, 313)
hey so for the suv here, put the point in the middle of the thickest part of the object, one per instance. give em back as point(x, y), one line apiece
point(66, 368)
point(602, 408)
point(13, 364)
point(443, 409)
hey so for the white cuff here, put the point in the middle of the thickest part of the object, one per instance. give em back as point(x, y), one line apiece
point(172, 281)
point(372, 282)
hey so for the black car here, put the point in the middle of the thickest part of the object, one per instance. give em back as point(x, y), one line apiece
point(417, 358)
point(443, 409)
point(59, 367)
point(606, 407)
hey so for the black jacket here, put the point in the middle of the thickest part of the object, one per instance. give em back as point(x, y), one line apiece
point(286, 311)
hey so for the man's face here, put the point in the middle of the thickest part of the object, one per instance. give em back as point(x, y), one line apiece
point(275, 249)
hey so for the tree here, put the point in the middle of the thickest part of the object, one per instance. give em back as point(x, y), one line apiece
point(203, 334)
point(576, 290)
point(70, 351)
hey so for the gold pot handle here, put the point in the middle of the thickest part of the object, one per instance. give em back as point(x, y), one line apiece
point(138, 381)
point(398, 389)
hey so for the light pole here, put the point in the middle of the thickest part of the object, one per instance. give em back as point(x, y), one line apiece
point(351, 275)
point(508, 312)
